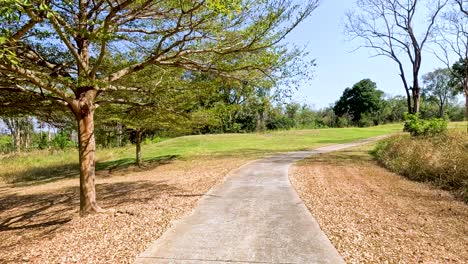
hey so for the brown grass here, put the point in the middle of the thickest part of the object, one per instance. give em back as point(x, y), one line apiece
point(40, 224)
point(442, 160)
point(374, 216)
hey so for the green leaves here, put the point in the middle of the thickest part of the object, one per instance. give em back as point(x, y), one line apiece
point(362, 98)
point(6, 53)
point(225, 7)
point(420, 127)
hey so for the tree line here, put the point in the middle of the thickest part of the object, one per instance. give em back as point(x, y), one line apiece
point(231, 109)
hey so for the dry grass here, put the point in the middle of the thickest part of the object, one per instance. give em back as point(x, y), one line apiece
point(40, 224)
point(442, 160)
point(374, 216)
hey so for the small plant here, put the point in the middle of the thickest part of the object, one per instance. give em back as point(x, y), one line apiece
point(421, 127)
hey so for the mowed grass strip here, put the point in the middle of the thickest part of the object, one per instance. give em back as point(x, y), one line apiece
point(45, 166)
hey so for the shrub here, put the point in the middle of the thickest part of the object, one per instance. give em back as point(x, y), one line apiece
point(342, 121)
point(442, 160)
point(367, 120)
point(62, 140)
point(280, 122)
point(420, 127)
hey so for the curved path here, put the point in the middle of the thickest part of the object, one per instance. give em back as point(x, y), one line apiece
point(255, 216)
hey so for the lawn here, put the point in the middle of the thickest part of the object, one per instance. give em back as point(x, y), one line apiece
point(45, 166)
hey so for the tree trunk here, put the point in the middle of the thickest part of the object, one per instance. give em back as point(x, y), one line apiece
point(87, 149)
point(83, 108)
point(138, 134)
point(119, 135)
point(17, 139)
point(49, 137)
point(27, 141)
point(416, 97)
point(260, 127)
point(466, 108)
point(441, 111)
point(407, 89)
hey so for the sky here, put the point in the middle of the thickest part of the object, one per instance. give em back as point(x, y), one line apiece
point(338, 65)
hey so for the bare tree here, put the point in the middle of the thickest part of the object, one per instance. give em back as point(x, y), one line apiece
point(463, 4)
point(61, 50)
point(391, 29)
point(452, 41)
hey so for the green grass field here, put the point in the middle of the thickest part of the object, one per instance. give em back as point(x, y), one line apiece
point(458, 125)
point(43, 166)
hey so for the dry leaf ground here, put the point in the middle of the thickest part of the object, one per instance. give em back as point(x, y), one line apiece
point(40, 224)
point(374, 216)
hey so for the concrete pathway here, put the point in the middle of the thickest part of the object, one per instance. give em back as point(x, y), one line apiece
point(255, 216)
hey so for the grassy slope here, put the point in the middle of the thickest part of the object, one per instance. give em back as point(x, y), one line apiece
point(42, 165)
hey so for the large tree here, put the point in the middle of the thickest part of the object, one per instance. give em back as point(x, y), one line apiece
point(60, 50)
point(362, 98)
point(399, 30)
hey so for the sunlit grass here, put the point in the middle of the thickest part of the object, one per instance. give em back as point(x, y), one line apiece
point(458, 125)
point(43, 166)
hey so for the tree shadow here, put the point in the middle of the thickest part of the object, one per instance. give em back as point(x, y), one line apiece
point(42, 175)
point(26, 218)
point(340, 158)
point(120, 164)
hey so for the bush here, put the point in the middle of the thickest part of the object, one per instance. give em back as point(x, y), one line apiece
point(6, 144)
point(420, 127)
point(367, 120)
point(62, 140)
point(442, 160)
point(280, 122)
point(342, 121)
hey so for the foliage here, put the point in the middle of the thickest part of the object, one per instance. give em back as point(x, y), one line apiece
point(277, 122)
point(362, 99)
point(438, 88)
point(62, 140)
point(420, 127)
point(6, 144)
point(79, 55)
point(441, 160)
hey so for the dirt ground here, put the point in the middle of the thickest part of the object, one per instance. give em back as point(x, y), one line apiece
point(40, 224)
point(374, 216)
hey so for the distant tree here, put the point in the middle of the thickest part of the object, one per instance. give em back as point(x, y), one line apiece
point(394, 109)
point(452, 40)
point(72, 53)
point(307, 117)
point(398, 30)
point(438, 88)
point(21, 130)
point(292, 111)
point(362, 98)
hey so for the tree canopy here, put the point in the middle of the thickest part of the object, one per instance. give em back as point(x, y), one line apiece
point(78, 53)
point(362, 98)
point(438, 88)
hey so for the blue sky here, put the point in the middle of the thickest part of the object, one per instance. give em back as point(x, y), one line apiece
point(338, 66)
